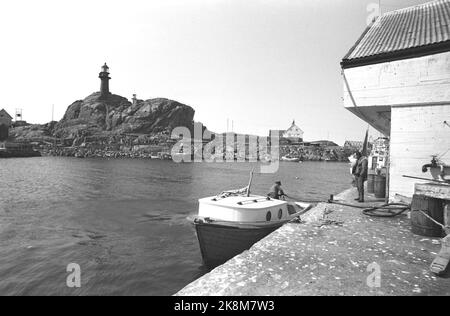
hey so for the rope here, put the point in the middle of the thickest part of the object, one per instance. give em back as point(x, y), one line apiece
point(305, 201)
point(385, 210)
point(432, 219)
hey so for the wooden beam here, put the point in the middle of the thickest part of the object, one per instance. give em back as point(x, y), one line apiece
point(447, 217)
point(434, 190)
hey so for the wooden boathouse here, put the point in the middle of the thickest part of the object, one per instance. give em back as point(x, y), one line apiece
point(397, 78)
point(5, 124)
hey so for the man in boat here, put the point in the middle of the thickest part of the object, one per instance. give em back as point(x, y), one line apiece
point(276, 192)
point(360, 172)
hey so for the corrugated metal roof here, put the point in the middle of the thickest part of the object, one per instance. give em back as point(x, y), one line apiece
point(422, 26)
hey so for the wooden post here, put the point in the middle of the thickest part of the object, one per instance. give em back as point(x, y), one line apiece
point(388, 172)
point(250, 182)
point(447, 218)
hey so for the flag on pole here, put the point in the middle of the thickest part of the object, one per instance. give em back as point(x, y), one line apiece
point(365, 148)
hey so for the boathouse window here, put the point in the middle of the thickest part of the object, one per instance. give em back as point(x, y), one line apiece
point(280, 213)
point(269, 216)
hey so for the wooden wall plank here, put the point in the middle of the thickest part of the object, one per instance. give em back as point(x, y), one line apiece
point(417, 133)
point(411, 81)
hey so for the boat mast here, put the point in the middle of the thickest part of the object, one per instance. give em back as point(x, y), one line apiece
point(250, 182)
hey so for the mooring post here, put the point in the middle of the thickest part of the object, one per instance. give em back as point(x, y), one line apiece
point(447, 218)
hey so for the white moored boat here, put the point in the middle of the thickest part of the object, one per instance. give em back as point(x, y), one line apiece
point(231, 223)
point(290, 159)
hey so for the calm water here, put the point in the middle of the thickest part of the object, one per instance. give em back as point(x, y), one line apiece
point(123, 221)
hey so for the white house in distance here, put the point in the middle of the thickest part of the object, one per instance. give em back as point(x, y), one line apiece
point(397, 79)
point(293, 133)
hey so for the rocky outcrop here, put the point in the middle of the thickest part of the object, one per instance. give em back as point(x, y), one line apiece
point(316, 153)
point(117, 115)
point(111, 127)
point(30, 133)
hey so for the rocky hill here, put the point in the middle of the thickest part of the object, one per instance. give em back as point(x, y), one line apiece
point(31, 133)
point(117, 115)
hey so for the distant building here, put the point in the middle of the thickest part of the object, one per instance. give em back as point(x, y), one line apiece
point(352, 144)
point(19, 116)
point(294, 133)
point(397, 79)
point(5, 124)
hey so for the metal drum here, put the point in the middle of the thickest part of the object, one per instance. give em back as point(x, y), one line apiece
point(380, 187)
point(371, 183)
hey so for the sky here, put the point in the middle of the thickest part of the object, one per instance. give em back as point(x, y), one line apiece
point(258, 63)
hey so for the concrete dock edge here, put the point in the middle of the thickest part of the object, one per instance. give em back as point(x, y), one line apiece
point(335, 251)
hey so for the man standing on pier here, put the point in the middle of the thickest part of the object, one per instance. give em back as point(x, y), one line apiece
point(360, 173)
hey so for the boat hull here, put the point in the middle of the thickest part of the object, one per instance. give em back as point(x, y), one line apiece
point(220, 243)
point(291, 159)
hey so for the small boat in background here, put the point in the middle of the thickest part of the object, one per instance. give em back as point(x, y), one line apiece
point(230, 223)
point(164, 156)
point(290, 159)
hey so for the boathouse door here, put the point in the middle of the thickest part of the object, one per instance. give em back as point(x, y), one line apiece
point(4, 132)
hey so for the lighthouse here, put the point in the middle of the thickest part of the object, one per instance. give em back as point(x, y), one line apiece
point(104, 77)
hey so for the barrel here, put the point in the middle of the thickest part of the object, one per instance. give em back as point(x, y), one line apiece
point(371, 183)
point(422, 225)
point(380, 186)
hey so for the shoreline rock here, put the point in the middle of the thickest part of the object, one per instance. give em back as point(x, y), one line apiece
point(117, 128)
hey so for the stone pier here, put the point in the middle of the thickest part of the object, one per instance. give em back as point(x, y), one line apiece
point(336, 251)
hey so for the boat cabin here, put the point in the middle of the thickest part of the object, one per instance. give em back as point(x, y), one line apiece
point(242, 209)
